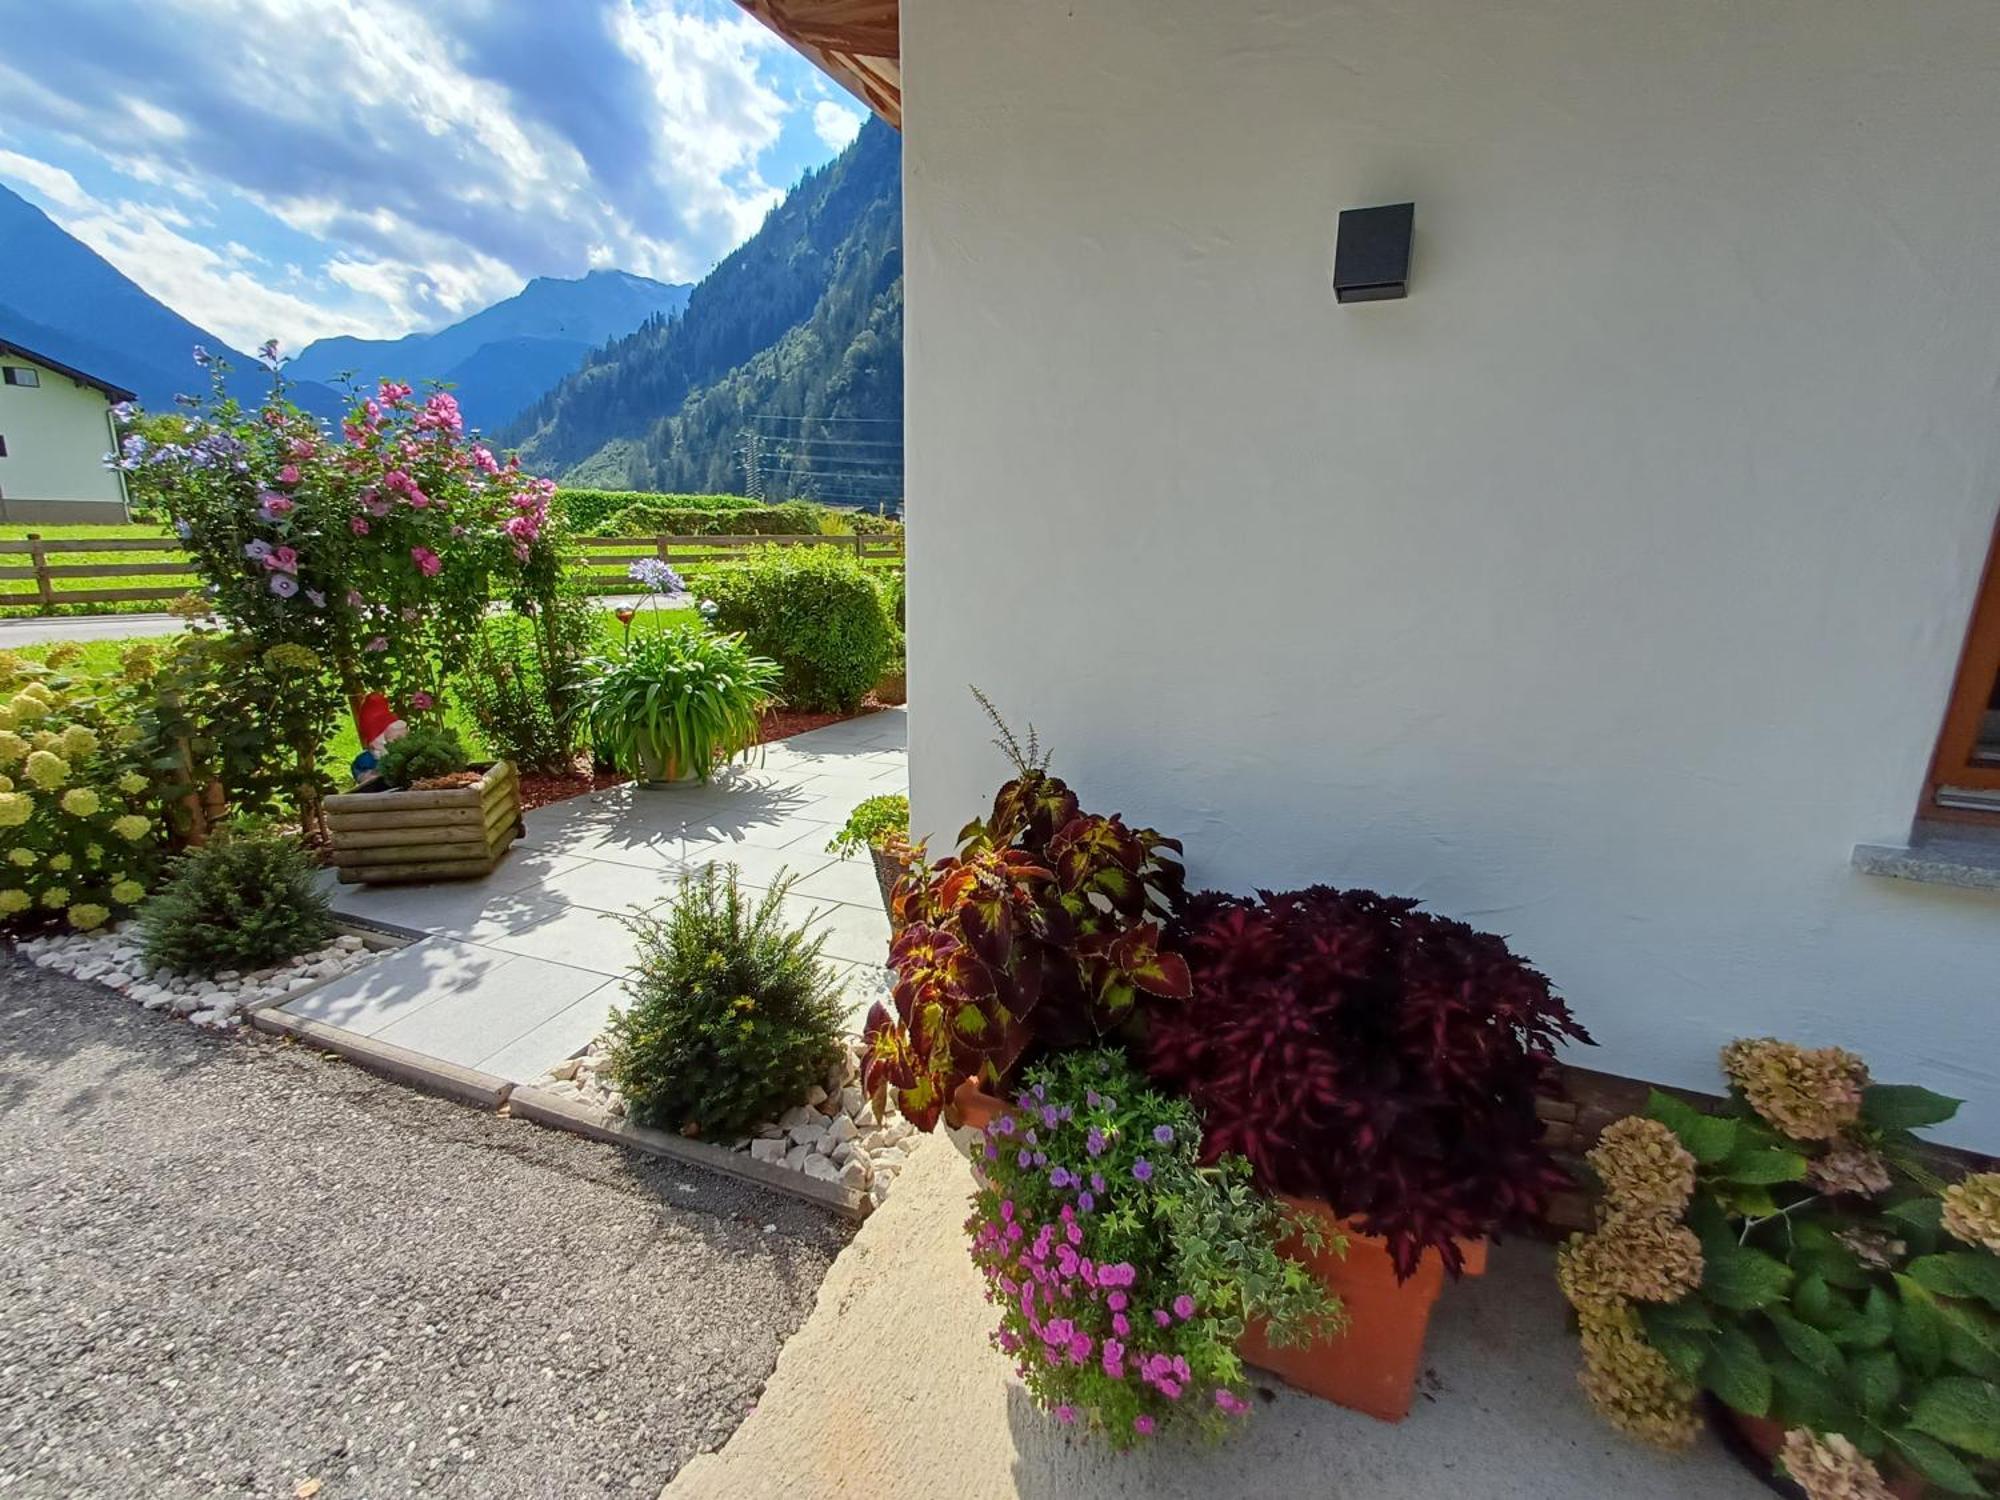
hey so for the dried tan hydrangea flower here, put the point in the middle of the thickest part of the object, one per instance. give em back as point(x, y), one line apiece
point(1874, 1249)
point(1848, 1168)
point(1972, 1210)
point(1808, 1094)
point(1630, 1257)
point(1643, 1166)
point(1831, 1468)
point(1630, 1382)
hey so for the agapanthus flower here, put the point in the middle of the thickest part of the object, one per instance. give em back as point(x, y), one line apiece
point(1810, 1095)
point(1829, 1467)
point(1643, 1166)
point(654, 575)
point(1972, 1210)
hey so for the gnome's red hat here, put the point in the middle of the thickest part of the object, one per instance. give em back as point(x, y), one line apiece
point(375, 716)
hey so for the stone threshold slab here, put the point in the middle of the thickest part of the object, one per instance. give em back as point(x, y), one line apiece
point(433, 1073)
point(545, 1108)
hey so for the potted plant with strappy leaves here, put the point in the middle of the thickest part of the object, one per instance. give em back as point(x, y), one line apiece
point(1800, 1259)
point(1047, 926)
point(678, 702)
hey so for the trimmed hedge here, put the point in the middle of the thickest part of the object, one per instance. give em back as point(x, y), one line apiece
point(817, 613)
point(793, 518)
point(587, 511)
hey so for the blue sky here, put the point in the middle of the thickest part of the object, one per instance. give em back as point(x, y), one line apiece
point(295, 168)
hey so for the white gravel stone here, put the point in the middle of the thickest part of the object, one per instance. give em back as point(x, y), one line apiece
point(772, 1151)
point(821, 1169)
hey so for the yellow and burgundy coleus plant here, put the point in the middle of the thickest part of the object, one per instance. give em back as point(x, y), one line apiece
point(1048, 925)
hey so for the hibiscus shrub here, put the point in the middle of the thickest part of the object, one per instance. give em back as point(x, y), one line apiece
point(381, 552)
point(1379, 1057)
point(75, 808)
point(1124, 1269)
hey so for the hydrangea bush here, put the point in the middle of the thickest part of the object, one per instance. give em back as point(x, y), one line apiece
point(78, 841)
point(380, 553)
point(1799, 1259)
point(1123, 1269)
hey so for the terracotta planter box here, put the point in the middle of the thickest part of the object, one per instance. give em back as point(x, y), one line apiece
point(1373, 1366)
point(393, 838)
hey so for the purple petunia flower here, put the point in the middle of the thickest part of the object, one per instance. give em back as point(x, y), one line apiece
point(1164, 1134)
point(1059, 1177)
point(1085, 1201)
point(1097, 1182)
point(1094, 1142)
point(1143, 1170)
point(1025, 1159)
point(1143, 1425)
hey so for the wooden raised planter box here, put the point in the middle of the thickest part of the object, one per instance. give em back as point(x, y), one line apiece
point(389, 838)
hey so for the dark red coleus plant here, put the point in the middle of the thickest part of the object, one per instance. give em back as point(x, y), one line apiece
point(1047, 926)
point(1360, 1051)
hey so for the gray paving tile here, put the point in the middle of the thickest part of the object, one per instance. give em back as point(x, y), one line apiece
point(565, 1033)
point(857, 933)
point(851, 879)
point(472, 1021)
point(864, 985)
point(606, 886)
point(398, 986)
point(757, 865)
point(575, 935)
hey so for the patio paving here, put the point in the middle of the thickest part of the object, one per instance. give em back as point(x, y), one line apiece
point(515, 972)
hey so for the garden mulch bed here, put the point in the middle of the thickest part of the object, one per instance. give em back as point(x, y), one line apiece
point(540, 788)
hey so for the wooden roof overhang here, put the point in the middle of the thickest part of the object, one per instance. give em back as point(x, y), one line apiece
point(854, 42)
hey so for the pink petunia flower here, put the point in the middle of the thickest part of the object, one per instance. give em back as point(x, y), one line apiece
point(1143, 1425)
point(1183, 1307)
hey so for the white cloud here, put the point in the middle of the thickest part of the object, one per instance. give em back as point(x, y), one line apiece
point(443, 151)
point(53, 183)
point(836, 126)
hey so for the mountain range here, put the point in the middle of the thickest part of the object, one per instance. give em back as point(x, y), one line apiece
point(784, 373)
point(501, 358)
point(779, 374)
point(61, 298)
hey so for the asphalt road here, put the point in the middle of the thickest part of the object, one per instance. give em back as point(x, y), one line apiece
point(231, 1266)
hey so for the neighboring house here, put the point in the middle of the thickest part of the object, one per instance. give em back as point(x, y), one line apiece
point(55, 432)
point(1618, 590)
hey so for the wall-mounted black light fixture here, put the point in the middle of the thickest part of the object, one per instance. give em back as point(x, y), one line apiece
point(1371, 255)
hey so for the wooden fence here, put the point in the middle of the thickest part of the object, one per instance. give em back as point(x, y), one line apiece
point(605, 560)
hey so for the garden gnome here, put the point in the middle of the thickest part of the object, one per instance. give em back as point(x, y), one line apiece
point(378, 725)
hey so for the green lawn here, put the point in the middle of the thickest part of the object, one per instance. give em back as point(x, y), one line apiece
point(18, 595)
point(100, 658)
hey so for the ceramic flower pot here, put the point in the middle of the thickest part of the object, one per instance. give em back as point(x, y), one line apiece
point(1373, 1365)
point(1756, 1441)
point(658, 769)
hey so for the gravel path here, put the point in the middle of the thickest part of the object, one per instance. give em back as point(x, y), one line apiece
point(230, 1266)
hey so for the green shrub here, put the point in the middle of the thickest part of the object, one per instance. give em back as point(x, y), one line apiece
point(522, 682)
point(588, 511)
point(427, 750)
point(816, 612)
point(892, 596)
point(244, 900)
point(734, 1014)
point(872, 824)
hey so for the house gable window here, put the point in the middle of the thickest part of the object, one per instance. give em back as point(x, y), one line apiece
point(20, 375)
point(1964, 783)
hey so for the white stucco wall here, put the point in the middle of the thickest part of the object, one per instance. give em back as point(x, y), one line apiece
point(1604, 593)
point(57, 435)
